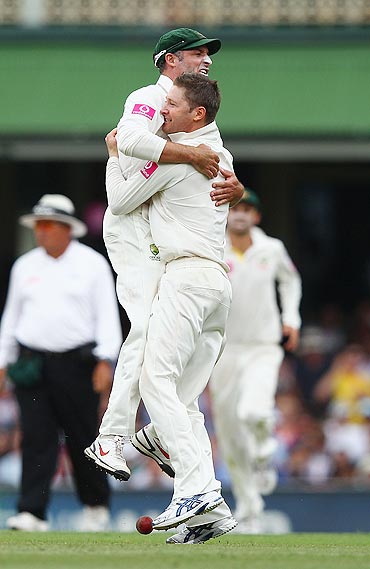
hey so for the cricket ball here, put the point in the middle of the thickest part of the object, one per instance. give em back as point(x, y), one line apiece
point(144, 524)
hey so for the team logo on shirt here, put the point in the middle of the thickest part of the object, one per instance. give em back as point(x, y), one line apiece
point(154, 249)
point(145, 110)
point(155, 252)
point(149, 169)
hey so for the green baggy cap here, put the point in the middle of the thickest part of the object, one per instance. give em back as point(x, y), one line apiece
point(183, 39)
point(251, 198)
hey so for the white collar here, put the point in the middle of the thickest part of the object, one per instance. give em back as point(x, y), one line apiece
point(179, 136)
point(165, 82)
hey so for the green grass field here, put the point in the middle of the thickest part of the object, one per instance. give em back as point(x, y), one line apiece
point(58, 550)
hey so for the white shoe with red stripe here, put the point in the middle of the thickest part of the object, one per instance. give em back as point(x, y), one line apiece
point(150, 445)
point(106, 453)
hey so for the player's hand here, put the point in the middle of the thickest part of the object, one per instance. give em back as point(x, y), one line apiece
point(291, 336)
point(205, 160)
point(111, 142)
point(102, 377)
point(2, 378)
point(230, 190)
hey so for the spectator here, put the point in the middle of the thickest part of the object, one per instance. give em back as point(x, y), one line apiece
point(360, 332)
point(309, 460)
point(346, 384)
point(312, 361)
point(59, 335)
point(10, 464)
point(332, 326)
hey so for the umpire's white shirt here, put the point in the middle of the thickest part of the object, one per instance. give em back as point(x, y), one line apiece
point(254, 316)
point(184, 221)
point(58, 304)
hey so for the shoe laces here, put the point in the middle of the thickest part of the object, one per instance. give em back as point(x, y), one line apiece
point(119, 445)
point(119, 442)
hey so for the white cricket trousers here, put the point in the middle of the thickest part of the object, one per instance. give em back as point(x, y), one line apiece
point(243, 387)
point(185, 335)
point(128, 241)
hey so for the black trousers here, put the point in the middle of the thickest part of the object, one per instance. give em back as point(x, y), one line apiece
point(63, 401)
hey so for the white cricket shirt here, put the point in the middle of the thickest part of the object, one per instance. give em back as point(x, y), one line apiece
point(139, 132)
point(254, 316)
point(183, 219)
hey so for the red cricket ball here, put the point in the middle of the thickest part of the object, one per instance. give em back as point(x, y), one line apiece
point(144, 524)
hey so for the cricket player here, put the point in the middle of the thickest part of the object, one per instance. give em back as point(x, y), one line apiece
point(130, 245)
point(189, 313)
point(244, 381)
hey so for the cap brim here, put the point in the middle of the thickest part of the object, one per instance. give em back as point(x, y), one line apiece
point(79, 228)
point(214, 45)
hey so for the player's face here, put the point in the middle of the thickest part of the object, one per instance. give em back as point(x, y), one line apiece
point(193, 61)
point(242, 218)
point(176, 112)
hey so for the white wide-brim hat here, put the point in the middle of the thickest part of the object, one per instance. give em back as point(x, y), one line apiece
point(55, 207)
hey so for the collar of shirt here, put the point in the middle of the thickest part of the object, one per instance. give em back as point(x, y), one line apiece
point(165, 82)
point(210, 129)
point(65, 255)
point(258, 237)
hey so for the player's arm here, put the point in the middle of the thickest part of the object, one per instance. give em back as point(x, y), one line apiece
point(8, 343)
point(137, 136)
point(290, 291)
point(141, 143)
point(126, 195)
point(2, 378)
point(201, 157)
point(108, 334)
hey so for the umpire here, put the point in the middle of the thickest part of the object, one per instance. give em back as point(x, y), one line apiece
point(60, 333)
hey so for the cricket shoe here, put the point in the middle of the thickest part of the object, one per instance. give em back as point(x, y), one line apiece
point(202, 533)
point(150, 446)
point(106, 453)
point(182, 509)
point(25, 521)
point(94, 519)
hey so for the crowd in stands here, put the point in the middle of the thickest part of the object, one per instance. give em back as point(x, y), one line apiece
point(322, 415)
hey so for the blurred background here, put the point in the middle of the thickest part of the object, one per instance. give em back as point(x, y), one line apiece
point(295, 81)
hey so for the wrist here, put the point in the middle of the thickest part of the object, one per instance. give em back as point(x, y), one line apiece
point(191, 155)
point(104, 361)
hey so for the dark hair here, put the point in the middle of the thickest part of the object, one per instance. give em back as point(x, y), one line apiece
point(200, 92)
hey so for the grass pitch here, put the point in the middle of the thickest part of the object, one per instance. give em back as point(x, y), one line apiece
point(57, 550)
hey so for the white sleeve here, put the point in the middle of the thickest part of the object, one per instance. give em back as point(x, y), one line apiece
point(126, 195)
point(290, 288)
point(8, 342)
point(108, 332)
point(140, 122)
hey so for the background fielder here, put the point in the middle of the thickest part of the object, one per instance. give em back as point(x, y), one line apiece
point(244, 381)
